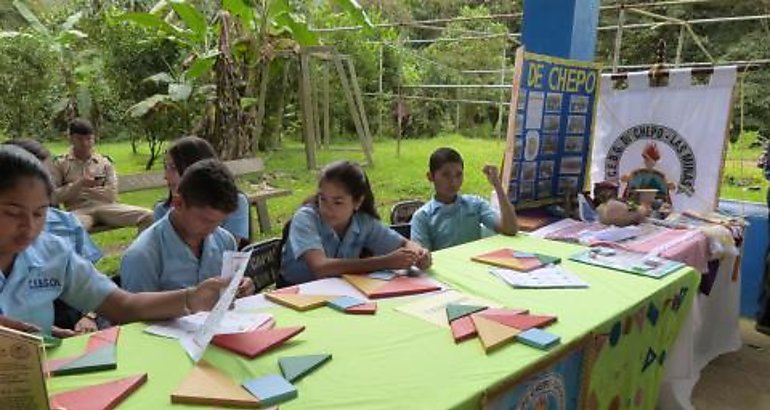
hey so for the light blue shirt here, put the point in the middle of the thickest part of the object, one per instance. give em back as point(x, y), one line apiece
point(308, 231)
point(437, 225)
point(160, 260)
point(47, 270)
point(66, 226)
point(237, 223)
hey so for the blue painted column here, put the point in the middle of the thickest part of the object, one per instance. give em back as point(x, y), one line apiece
point(561, 28)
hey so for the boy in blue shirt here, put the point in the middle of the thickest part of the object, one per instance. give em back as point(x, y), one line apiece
point(451, 218)
point(185, 246)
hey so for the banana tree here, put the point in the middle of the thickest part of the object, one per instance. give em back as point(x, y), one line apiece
point(238, 69)
point(73, 66)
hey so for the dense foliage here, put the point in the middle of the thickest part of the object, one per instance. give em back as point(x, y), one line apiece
point(153, 70)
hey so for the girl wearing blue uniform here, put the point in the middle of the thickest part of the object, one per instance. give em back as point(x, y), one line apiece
point(36, 267)
point(330, 231)
point(181, 154)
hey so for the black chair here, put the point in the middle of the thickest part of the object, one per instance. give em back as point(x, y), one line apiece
point(401, 216)
point(265, 262)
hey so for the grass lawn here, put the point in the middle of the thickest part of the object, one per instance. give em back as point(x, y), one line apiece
point(394, 178)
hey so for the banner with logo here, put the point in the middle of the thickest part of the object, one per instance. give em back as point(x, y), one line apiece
point(549, 128)
point(670, 139)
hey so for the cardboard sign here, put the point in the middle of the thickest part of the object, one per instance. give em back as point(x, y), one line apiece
point(22, 384)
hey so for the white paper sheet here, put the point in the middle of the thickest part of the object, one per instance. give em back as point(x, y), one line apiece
point(233, 265)
point(549, 277)
point(232, 322)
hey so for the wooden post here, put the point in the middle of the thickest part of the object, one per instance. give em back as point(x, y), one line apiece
point(360, 103)
point(501, 107)
point(352, 107)
point(282, 97)
point(510, 136)
point(316, 110)
point(398, 119)
point(379, 90)
point(325, 110)
point(306, 106)
point(618, 39)
point(679, 46)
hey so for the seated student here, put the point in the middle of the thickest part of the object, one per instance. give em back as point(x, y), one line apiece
point(181, 154)
point(66, 226)
point(329, 232)
point(186, 246)
point(58, 222)
point(36, 267)
point(451, 218)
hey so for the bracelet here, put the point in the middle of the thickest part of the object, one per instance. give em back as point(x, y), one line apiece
point(187, 310)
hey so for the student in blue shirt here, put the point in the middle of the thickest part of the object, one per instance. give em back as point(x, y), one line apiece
point(451, 218)
point(66, 226)
point(36, 267)
point(186, 246)
point(329, 232)
point(181, 154)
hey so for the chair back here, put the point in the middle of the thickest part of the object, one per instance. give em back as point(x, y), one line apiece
point(402, 212)
point(264, 263)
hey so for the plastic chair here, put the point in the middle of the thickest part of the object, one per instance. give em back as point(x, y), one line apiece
point(401, 216)
point(265, 262)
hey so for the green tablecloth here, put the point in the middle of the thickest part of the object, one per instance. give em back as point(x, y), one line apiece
point(393, 360)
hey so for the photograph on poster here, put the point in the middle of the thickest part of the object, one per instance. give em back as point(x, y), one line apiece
point(571, 165)
point(568, 184)
point(544, 189)
point(528, 170)
point(552, 123)
point(546, 169)
point(521, 103)
point(527, 190)
point(532, 145)
point(513, 192)
point(576, 124)
point(519, 123)
point(578, 104)
point(553, 102)
point(518, 147)
point(515, 166)
point(573, 144)
point(535, 104)
point(550, 145)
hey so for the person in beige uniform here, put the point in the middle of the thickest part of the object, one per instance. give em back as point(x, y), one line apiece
point(87, 185)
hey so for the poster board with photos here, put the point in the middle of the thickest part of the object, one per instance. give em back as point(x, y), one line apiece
point(550, 129)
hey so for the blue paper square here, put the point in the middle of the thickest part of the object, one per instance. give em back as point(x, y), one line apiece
point(270, 390)
point(345, 302)
point(538, 338)
point(383, 275)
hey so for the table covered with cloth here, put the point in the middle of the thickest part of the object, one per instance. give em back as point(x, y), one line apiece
point(620, 329)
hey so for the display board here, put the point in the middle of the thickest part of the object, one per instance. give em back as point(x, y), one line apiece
point(549, 128)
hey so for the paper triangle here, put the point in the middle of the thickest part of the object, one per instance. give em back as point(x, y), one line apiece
point(99, 359)
point(103, 338)
point(269, 390)
point(505, 258)
point(365, 309)
point(299, 302)
point(52, 364)
point(253, 343)
point(206, 385)
point(454, 311)
point(462, 329)
point(295, 367)
point(98, 397)
point(364, 283)
point(492, 334)
point(503, 312)
point(402, 285)
point(521, 321)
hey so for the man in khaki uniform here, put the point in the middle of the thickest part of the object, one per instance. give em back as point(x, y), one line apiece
point(86, 184)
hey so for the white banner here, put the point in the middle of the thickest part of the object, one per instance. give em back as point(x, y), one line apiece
point(669, 138)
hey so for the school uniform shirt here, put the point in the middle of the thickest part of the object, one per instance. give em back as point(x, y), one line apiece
point(236, 223)
point(308, 231)
point(47, 270)
point(437, 225)
point(160, 260)
point(66, 226)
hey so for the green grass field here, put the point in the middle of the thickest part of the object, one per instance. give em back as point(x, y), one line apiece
point(394, 178)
